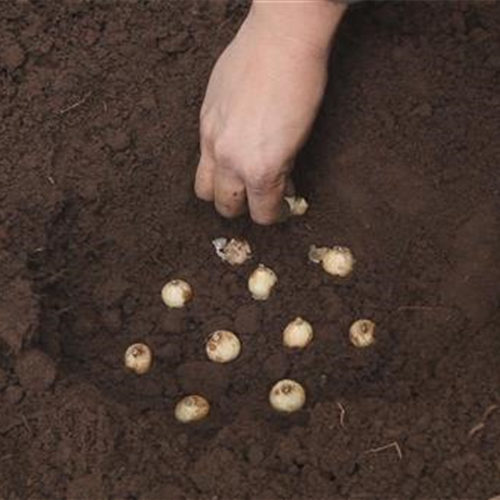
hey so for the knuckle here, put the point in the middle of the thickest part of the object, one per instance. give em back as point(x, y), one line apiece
point(205, 112)
point(206, 129)
point(225, 151)
point(263, 179)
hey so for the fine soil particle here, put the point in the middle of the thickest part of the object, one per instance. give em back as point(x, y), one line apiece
point(99, 110)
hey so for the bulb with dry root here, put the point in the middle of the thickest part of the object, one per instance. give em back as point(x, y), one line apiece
point(337, 261)
point(362, 333)
point(262, 282)
point(287, 396)
point(298, 205)
point(176, 293)
point(235, 251)
point(223, 346)
point(191, 409)
point(298, 334)
point(138, 358)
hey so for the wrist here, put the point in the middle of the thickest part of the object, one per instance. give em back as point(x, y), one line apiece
point(306, 24)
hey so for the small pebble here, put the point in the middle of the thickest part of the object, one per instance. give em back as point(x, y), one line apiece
point(13, 394)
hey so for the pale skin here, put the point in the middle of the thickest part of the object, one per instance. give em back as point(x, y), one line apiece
point(262, 99)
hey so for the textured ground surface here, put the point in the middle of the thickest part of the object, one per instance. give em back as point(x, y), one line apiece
point(98, 143)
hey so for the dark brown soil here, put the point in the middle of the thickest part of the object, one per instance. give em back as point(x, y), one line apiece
point(98, 142)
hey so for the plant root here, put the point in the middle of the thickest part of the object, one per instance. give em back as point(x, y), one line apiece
point(394, 445)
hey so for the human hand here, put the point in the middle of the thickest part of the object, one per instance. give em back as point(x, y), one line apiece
point(261, 102)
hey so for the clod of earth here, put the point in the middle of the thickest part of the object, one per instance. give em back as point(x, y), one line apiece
point(36, 371)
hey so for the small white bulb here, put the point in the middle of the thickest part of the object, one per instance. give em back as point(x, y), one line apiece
point(176, 293)
point(192, 409)
point(223, 346)
point(261, 282)
point(287, 396)
point(338, 261)
point(298, 205)
point(298, 334)
point(235, 251)
point(138, 358)
point(362, 333)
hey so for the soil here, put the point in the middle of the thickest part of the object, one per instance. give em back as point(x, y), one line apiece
point(99, 110)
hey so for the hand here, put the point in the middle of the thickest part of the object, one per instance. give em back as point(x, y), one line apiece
point(261, 101)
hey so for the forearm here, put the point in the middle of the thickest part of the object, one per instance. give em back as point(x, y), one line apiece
point(309, 22)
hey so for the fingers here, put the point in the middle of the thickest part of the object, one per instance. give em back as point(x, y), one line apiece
point(221, 183)
point(204, 181)
point(229, 191)
point(266, 200)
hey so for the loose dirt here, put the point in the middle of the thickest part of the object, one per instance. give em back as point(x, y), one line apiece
point(99, 104)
